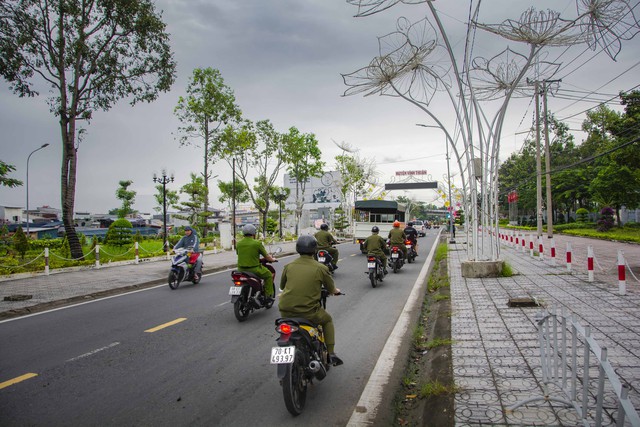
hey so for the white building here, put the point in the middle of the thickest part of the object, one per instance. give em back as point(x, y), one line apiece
point(320, 198)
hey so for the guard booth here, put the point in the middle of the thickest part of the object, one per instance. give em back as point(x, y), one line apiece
point(381, 213)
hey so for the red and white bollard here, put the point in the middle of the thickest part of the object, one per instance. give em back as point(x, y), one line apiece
point(622, 282)
point(517, 240)
point(46, 261)
point(524, 245)
point(590, 263)
point(97, 256)
point(568, 256)
point(137, 253)
point(511, 238)
point(531, 245)
point(553, 251)
point(541, 248)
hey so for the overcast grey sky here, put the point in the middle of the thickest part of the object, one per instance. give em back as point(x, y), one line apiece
point(283, 59)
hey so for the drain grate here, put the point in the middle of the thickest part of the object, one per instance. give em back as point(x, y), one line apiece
point(523, 302)
point(18, 297)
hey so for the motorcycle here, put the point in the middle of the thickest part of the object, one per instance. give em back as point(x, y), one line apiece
point(248, 293)
point(182, 267)
point(396, 260)
point(324, 257)
point(411, 251)
point(375, 270)
point(301, 356)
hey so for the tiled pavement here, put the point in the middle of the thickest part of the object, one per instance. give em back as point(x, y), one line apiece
point(496, 354)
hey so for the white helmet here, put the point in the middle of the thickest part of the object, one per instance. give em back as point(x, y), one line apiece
point(249, 230)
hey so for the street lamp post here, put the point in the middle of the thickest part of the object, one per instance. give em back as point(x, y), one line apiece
point(164, 180)
point(27, 184)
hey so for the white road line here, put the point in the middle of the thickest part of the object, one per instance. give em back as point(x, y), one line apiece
point(91, 353)
point(371, 397)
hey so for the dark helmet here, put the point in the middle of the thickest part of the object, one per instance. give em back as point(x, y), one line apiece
point(188, 228)
point(306, 245)
point(375, 229)
point(324, 227)
point(410, 224)
point(249, 230)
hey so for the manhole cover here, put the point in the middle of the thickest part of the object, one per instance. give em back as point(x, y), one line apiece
point(523, 302)
point(18, 297)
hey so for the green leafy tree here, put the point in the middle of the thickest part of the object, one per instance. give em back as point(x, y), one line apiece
point(127, 197)
point(193, 207)
point(226, 193)
point(5, 169)
point(20, 242)
point(340, 221)
point(356, 174)
point(257, 152)
point(303, 159)
point(207, 108)
point(172, 197)
point(616, 186)
point(120, 233)
point(91, 55)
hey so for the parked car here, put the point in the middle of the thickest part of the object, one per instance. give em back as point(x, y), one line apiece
point(420, 228)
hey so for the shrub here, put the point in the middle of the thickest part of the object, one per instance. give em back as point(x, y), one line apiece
point(20, 242)
point(605, 223)
point(633, 225)
point(582, 215)
point(120, 233)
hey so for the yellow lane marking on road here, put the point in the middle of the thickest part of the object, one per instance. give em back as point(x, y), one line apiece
point(17, 380)
point(166, 325)
point(353, 254)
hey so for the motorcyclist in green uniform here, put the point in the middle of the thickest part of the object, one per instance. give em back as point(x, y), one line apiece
point(326, 241)
point(249, 250)
point(397, 238)
point(375, 245)
point(301, 284)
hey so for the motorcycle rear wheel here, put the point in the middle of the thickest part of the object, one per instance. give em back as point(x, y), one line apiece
point(174, 282)
point(294, 386)
point(241, 309)
point(373, 277)
point(196, 278)
point(395, 266)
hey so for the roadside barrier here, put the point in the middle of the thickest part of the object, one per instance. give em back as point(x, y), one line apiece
point(568, 257)
point(565, 351)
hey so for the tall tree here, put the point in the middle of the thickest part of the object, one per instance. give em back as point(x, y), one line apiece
point(616, 186)
point(303, 159)
point(257, 153)
point(207, 108)
point(227, 196)
point(91, 54)
point(196, 194)
point(4, 179)
point(127, 197)
point(172, 197)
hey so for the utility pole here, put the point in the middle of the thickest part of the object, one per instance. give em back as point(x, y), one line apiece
point(538, 163)
point(547, 154)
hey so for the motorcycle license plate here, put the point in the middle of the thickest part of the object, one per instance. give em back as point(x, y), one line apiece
point(408, 246)
point(235, 290)
point(371, 265)
point(282, 354)
point(394, 255)
point(320, 259)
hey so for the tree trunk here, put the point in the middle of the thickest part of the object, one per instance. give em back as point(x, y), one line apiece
point(206, 177)
point(68, 185)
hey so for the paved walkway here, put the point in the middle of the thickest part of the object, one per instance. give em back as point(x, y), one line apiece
point(496, 352)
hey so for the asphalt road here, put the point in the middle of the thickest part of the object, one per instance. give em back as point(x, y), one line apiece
point(161, 357)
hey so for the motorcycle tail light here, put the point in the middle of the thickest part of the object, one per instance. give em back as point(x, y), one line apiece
point(237, 282)
point(321, 253)
point(408, 242)
point(285, 328)
point(371, 259)
point(395, 249)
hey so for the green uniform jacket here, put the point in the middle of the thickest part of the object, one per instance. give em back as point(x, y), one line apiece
point(249, 251)
point(375, 245)
point(325, 239)
point(396, 236)
point(301, 282)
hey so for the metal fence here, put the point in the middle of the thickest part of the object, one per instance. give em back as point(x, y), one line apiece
point(572, 378)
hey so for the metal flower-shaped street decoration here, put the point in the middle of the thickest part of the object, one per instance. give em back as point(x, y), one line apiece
point(495, 77)
point(606, 22)
point(370, 7)
point(539, 28)
point(402, 67)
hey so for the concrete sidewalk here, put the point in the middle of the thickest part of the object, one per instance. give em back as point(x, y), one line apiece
point(84, 283)
point(496, 351)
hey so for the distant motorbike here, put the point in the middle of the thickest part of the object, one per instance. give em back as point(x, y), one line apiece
point(411, 251)
point(248, 293)
point(324, 257)
point(396, 258)
point(183, 267)
point(375, 270)
point(301, 356)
